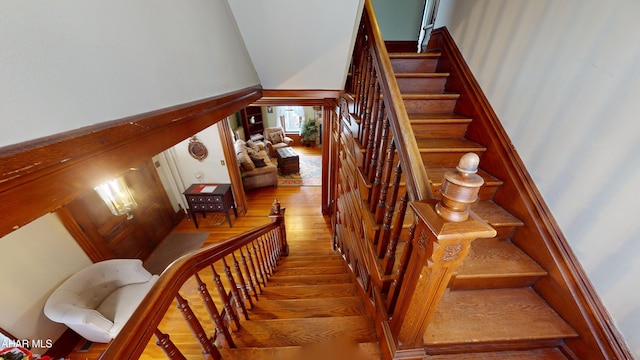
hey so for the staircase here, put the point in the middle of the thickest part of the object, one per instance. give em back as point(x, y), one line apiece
point(490, 305)
point(310, 309)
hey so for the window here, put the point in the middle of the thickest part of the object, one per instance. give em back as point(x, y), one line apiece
point(291, 117)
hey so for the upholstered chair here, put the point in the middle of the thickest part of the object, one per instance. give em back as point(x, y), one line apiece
point(275, 138)
point(97, 301)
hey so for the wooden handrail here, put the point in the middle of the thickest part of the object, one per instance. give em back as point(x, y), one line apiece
point(144, 321)
point(406, 146)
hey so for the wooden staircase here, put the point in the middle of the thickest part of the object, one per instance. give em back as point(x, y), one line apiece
point(310, 309)
point(490, 305)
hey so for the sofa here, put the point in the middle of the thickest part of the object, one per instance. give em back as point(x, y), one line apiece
point(97, 301)
point(256, 167)
point(274, 139)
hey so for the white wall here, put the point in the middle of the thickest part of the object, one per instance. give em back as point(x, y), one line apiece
point(399, 20)
point(299, 44)
point(68, 64)
point(36, 259)
point(564, 78)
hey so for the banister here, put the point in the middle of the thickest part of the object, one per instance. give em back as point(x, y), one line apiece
point(418, 183)
point(135, 335)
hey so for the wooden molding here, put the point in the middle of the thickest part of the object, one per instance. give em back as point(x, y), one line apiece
point(297, 97)
point(567, 288)
point(39, 176)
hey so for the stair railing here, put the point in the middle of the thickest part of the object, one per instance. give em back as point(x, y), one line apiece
point(393, 172)
point(237, 268)
point(389, 150)
point(378, 104)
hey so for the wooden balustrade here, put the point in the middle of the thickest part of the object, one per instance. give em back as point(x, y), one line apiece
point(377, 140)
point(259, 251)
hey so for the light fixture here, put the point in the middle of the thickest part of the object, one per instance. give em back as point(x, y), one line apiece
point(117, 196)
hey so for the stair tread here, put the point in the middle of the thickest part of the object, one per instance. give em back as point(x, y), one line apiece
point(293, 332)
point(274, 292)
point(309, 279)
point(497, 258)
point(321, 350)
point(494, 316)
point(535, 354)
point(448, 145)
point(306, 308)
point(494, 214)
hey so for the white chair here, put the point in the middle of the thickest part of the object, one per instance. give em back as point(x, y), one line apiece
point(97, 301)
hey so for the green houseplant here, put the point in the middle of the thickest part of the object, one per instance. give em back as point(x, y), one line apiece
point(309, 131)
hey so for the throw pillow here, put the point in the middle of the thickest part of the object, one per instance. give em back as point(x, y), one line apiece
point(253, 146)
point(258, 162)
point(276, 137)
point(252, 153)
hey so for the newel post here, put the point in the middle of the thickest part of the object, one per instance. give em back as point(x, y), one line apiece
point(443, 236)
point(277, 216)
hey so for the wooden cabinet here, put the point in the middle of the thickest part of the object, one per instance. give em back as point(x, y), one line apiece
point(252, 122)
point(204, 198)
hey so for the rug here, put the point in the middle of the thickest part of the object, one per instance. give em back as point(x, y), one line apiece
point(172, 247)
point(310, 173)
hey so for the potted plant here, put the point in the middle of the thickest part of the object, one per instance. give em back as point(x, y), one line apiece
point(309, 131)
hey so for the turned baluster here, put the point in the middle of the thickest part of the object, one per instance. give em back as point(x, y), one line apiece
point(385, 180)
point(241, 283)
point(195, 326)
point(223, 337)
point(231, 313)
point(254, 271)
point(251, 283)
point(385, 235)
point(263, 256)
point(374, 132)
point(259, 262)
point(375, 149)
point(381, 161)
point(396, 284)
point(366, 117)
point(234, 289)
point(390, 255)
point(167, 346)
point(372, 115)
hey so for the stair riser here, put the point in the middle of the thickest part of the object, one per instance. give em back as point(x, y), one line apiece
point(417, 106)
point(461, 283)
point(309, 271)
point(309, 280)
point(439, 131)
point(499, 346)
point(287, 263)
point(443, 159)
point(414, 65)
point(274, 292)
point(409, 85)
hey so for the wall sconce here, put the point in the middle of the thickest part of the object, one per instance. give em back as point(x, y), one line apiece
point(117, 196)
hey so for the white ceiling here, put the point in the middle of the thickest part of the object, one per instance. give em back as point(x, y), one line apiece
point(299, 44)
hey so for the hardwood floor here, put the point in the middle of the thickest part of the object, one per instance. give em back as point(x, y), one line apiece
point(306, 227)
